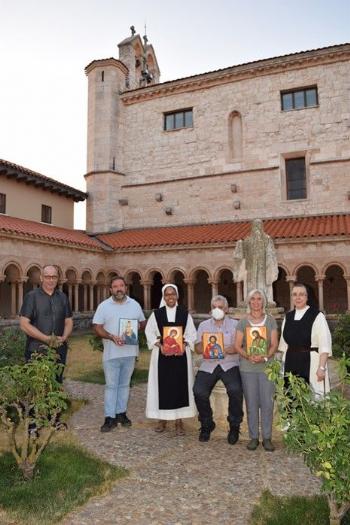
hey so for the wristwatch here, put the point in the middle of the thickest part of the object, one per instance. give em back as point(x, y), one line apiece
point(323, 368)
point(266, 359)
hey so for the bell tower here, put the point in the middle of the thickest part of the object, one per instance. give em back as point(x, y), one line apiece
point(107, 79)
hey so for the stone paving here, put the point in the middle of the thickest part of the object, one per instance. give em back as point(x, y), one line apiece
point(178, 480)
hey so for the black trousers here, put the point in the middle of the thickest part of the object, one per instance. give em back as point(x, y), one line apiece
point(203, 386)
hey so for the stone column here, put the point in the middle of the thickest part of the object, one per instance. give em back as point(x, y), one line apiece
point(214, 287)
point(91, 297)
point(70, 294)
point(347, 278)
point(291, 280)
point(76, 296)
point(239, 297)
point(20, 293)
point(190, 294)
point(2, 279)
point(146, 294)
point(61, 283)
point(85, 297)
point(320, 280)
point(13, 299)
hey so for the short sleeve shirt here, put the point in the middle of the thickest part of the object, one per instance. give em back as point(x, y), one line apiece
point(46, 312)
point(108, 314)
point(228, 328)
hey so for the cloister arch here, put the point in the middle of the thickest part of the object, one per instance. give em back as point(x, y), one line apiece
point(135, 287)
point(177, 276)
point(202, 291)
point(306, 274)
point(335, 290)
point(11, 290)
point(226, 286)
point(281, 290)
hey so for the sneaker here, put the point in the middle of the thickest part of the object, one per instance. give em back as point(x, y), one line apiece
point(123, 420)
point(253, 444)
point(268, 446)
point(233, 435)
point(109, 424)
point(205, 431)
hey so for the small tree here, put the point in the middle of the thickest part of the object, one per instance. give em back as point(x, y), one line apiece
point(320, 431)
point(12, 343)
point(341, 336)
point(30, 397)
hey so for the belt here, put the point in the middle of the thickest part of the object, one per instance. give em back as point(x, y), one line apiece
point(302, 349)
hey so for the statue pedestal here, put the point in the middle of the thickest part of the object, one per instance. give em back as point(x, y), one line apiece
point(219, 404)
point(241, 312)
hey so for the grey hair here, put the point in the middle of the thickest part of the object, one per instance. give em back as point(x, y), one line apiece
point(219, 298)
point(250, 295)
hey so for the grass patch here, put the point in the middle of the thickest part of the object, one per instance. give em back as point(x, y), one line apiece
point(277, 510)
point(85, 364)
point(66, 477)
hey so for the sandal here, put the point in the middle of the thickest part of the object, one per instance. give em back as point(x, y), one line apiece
point(179, 428)
point(161, 426)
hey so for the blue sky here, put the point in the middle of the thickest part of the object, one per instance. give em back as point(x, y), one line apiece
point(45, 45)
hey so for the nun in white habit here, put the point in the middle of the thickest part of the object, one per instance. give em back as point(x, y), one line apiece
point(170, 379)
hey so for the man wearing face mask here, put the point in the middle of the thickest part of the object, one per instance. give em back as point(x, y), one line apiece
point(212, 370)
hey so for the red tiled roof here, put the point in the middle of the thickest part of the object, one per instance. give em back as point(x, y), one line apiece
point(288, 228)
point(38, 230)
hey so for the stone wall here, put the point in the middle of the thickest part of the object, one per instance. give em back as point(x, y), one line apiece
point(193, 168)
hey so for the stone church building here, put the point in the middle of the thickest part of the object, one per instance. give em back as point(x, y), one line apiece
point(177, 170)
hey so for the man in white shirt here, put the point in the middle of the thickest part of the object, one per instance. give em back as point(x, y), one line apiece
point(118, 357)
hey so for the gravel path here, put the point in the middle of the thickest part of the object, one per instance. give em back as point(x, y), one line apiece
point(178, 480)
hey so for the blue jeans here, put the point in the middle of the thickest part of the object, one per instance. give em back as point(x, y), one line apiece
point(118, 373)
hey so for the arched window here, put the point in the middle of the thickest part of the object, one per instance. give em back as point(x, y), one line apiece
point(235, 136)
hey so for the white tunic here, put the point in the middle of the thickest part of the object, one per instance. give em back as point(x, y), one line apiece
point(152, 405)
point(320, 338)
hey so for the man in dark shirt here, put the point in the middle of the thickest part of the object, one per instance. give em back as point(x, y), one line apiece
point(46, 317)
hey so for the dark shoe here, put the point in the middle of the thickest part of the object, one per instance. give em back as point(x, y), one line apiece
point(268, 446)
point(109, 424)
point(253, 444)
point(205, 431)
point(123, 420)
point(233, 435)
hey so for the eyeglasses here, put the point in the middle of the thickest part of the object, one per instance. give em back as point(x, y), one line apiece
point(50, 276)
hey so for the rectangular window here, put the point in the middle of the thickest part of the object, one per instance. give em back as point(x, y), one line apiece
point(299, 98)
point(46, 214)
point(178, 119)
point(2, 202)
point(296, 178)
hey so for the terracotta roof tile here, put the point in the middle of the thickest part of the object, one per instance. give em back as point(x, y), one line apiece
point(47, 232)
point(288, 228)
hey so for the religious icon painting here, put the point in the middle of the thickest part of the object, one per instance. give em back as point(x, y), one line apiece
point(128, 331)
point(173, 340)
point(213, 345)
point(256, 337)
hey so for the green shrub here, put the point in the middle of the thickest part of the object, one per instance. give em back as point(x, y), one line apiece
point(12, 346)
point(341, 336)
point(31, 399)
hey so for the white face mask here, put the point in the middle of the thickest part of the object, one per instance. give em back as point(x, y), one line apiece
point(217, 314)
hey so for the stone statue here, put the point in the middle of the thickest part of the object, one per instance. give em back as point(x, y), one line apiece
point(255, 262)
